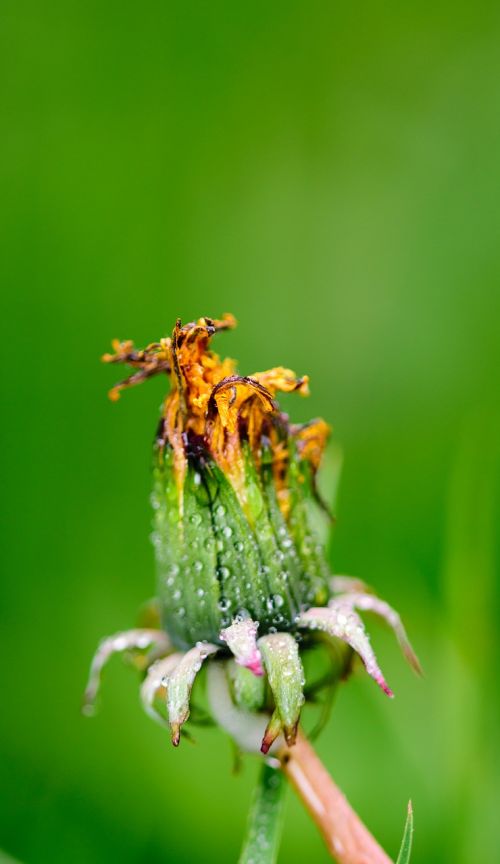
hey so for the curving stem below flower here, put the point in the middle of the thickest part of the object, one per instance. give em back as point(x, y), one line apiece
point(347, 838)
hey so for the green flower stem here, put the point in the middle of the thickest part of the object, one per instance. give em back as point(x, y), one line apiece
point(265, 818)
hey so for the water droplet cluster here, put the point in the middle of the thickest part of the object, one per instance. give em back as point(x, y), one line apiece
point(217, 559)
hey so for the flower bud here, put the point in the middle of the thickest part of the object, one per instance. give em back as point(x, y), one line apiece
point(239, 570)
point(231, 480)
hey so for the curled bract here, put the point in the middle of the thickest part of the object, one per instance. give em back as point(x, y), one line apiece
point(154, 687)
point(178, 684)
point(340, 620)
point(142, 646)
point(367, 602)
point(241, 639)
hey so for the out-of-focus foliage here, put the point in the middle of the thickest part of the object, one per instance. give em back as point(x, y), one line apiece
point(329, 172)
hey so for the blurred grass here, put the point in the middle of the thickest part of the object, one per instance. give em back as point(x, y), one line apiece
point(329, 173)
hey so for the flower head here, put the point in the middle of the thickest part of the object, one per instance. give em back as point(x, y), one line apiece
point(240, 572)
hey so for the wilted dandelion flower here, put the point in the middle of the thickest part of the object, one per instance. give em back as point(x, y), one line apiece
point(242, 581)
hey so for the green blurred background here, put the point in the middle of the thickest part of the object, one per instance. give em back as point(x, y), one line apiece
point(329, 172)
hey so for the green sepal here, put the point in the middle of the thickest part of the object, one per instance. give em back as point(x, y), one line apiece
point(315, 569)
point(242, 582)
point(287, 553)
point(248, 690)
point(201, 564)
point(281, 606)
point(179, 685)
point(280, 654)
point(273, 730)
point(153, 692)
point(186, 556)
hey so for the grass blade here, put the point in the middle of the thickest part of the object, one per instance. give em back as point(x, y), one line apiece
point(405, 851)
